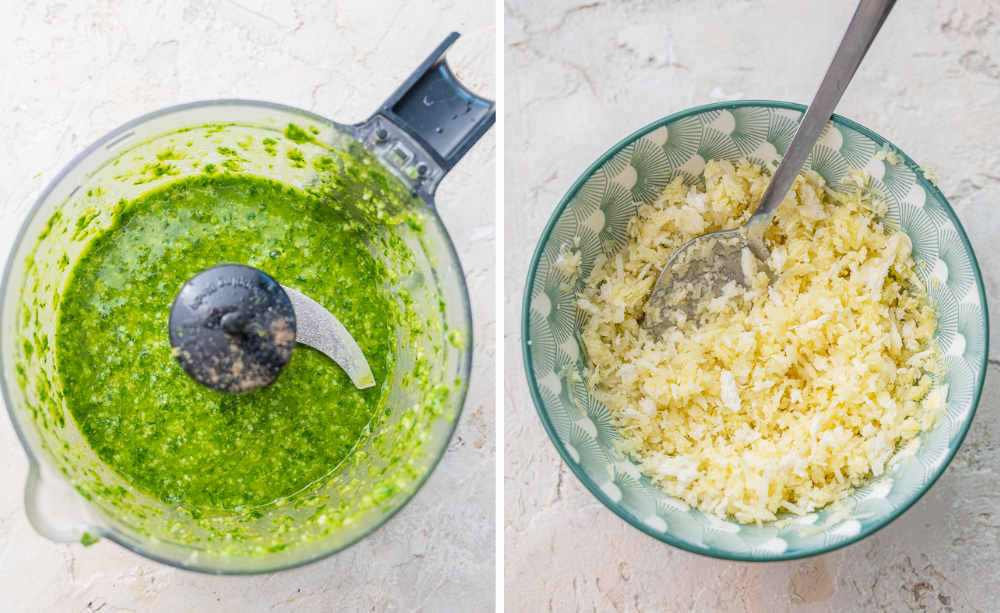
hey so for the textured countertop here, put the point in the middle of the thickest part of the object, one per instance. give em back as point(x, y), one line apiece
point(69, 73)
point(581, 76)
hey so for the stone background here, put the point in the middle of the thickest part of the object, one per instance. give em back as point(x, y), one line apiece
point(72, 71)
point(580, 77)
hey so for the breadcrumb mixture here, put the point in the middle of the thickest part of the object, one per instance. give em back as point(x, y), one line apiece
point(788, 400)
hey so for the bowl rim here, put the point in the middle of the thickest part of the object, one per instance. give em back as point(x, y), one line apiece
point(621, 511)
point(108, 532)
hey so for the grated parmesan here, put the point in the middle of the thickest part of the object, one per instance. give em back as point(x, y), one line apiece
point(890, 155)
point(790, 398)
point(568, 261)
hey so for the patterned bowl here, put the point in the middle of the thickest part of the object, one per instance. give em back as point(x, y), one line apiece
point(596, 211)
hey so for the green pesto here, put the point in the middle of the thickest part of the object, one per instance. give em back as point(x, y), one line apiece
point(297, 135)
point(186, 444)
point(296, 158)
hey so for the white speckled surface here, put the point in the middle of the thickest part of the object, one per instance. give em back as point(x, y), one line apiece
point(581, 76)
point(72, 71)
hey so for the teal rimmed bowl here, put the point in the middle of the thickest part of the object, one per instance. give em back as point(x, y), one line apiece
point(596, 211)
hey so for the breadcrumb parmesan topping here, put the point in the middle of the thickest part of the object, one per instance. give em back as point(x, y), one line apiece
point(569, 261)
point(784, 401)
point(890, 155)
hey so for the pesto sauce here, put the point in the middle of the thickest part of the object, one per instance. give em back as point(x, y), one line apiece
point(184, 443)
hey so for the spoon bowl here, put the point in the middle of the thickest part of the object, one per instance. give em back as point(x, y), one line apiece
point(720, 265)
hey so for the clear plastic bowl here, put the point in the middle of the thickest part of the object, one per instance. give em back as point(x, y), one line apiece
point(71, 495)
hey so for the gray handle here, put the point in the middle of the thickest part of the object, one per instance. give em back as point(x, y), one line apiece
point(867, 20)
point(428, 123)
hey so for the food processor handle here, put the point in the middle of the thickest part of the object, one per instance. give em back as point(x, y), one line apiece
point(428, 124)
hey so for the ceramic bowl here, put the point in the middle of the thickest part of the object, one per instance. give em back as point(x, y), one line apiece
point(597, 209)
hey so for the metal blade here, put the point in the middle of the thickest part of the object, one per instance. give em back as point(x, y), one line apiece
point(318, 328)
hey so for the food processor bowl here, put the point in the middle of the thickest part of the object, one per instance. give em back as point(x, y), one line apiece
point(71, 495)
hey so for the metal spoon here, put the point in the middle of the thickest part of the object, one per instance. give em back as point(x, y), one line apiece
point(704, 266)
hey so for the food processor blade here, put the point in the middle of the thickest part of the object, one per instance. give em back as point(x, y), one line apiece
point(233, 328)
point(321, 330)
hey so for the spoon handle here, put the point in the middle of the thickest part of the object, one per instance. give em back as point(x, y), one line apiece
point(868, 18)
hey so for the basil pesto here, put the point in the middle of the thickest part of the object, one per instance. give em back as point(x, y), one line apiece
point(171, 437)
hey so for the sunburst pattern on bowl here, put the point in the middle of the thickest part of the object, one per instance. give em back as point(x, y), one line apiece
point(594, 215)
